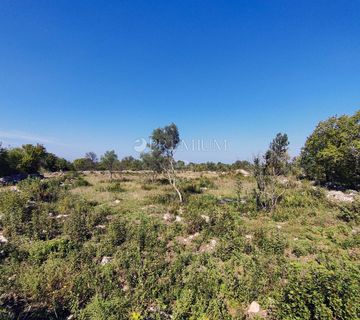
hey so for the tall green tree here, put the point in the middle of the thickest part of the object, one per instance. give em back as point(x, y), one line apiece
point(276, 158)
point(130, 163)
point(92, 158)
point(53, 163)
point(152, 161)
point(332, 152)
point(28, 158)
point(164, 142)
point(109, 161)
point(82, 164)
point(5, 168)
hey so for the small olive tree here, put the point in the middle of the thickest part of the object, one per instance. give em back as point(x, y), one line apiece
point(268, 190)
point(92, 158)
point(164, 142)
point(152, 162)
point(276, 158)
point(109, 161)
point(267, 169)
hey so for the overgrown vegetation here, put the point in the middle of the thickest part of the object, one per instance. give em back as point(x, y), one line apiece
point(83, 246)
point(76, 250)
point(332, 153)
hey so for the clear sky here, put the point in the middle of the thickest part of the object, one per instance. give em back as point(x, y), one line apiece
point(97, 75)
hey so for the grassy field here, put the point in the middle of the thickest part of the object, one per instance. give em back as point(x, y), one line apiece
point(85, 247)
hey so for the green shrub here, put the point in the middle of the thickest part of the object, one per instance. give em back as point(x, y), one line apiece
point(46, 290)
point(303, 248)
point(306, 196)
point(328, 291)
point(117, 232)
point(331, 152)
point(147, 186)
point(75, 225)
point(23, 216)
point(272, 242)
point(40, 250)
point(113, 186)
point(16, 210)
point(350, 212)
point(41, 190)
point(195, 185)
point(165, 198)
point(81, 182)
point(105, 309)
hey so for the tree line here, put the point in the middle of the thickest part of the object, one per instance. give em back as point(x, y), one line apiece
point(35, 158)
point(331, 155)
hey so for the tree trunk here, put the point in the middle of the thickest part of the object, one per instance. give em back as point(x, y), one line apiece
point(178, 192)
point(172, 179)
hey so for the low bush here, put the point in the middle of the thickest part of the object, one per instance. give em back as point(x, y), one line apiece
point(321, 291)
point(105, 309)
point(350, 212)
point(117, 232)
point(40, 251)
point(195, 185)
point(113, 186)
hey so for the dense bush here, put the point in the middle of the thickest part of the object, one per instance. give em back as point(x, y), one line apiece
point(188, 186)
point(29, 159)
point(113, 186)
point(350, 212)
point(321, 291)
point(332, 152)
point(67, 256)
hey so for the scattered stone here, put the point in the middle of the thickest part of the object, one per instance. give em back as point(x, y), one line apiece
point(192, 236)
point(2, 238)
point(61, 216)
point(105, 260)
point(206, 218)
point(278, 226)
point(188, 240)
point(226, 200)
point(202, 189)
point(243, 172)
point(341, 196)
point(30, 203)
point(283, 181)
point(153, 309)
point(248, 236)
point(125, 288)
point(8, 180)
point(254, 310)
point(70, 317)
point(168, 217)
point(178, 219)
point(209, 246)
point(100, 226)
point(12, 278)
point(117, 201)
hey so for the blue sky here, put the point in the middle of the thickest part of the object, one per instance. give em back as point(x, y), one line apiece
point(97, 75)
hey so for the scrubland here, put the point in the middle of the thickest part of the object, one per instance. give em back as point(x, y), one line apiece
point(79, 246)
